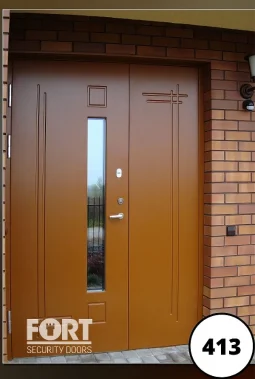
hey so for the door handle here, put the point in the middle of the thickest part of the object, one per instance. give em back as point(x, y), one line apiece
point(119, 216)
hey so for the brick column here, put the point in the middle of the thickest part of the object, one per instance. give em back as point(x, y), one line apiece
point(229, 283)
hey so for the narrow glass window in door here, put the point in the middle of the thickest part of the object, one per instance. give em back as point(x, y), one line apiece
point(96, 204)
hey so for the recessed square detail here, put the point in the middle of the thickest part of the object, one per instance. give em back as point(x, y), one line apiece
point(97, 96)
point(97, 312)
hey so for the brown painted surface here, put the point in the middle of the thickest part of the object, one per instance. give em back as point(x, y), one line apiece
point(151, 297)
point(6, 76)
point(24, 257)
point(164, 190)
point(49, 198)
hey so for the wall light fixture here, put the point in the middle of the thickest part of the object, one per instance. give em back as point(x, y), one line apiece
point(247, 90)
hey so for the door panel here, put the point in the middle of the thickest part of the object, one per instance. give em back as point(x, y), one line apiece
point(73, 126)
point(163, 205)
point(70, 94)
point(24, 207)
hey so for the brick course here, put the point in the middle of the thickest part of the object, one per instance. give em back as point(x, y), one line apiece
point(229, 265)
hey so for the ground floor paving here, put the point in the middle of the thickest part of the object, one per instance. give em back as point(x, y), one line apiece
point(176, 354)
point(165, 355)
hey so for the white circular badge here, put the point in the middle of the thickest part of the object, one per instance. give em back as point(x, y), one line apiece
point(221, 345)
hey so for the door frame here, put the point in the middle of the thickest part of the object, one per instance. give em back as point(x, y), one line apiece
point(201, 66)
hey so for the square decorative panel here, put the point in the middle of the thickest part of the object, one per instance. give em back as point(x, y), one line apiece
point(97, 312)
point(97, 96)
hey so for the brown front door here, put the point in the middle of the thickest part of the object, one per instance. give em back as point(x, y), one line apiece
point(92, 141)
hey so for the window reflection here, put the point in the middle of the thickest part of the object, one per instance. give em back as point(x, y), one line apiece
point(96, 204)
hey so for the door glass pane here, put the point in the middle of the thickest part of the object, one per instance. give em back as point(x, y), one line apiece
point(96, 203)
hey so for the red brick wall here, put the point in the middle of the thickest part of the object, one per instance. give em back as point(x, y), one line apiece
point(229, 190)
point(5, 31)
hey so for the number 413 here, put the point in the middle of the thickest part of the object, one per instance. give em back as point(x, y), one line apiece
point(234, 350)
